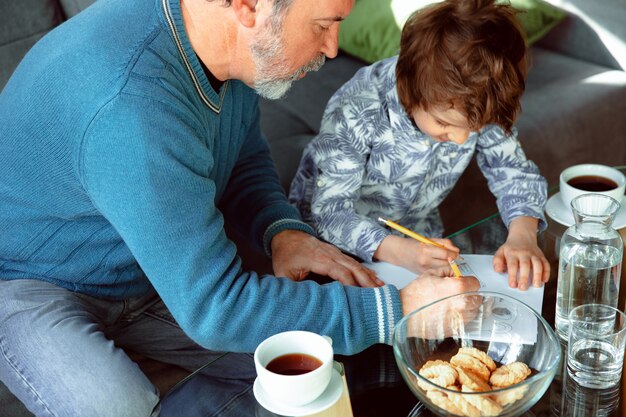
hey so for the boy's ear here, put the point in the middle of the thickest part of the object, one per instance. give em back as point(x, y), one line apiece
point(246, 11)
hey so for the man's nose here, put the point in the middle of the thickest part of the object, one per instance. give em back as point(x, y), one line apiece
point(330, 46)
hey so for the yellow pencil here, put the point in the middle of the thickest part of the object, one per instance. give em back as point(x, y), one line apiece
point(409, 233)
point(455, 267)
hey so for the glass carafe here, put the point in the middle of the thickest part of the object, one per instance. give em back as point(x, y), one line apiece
point(590, 259)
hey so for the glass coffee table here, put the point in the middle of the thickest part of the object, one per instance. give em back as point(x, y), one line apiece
point(376, 387)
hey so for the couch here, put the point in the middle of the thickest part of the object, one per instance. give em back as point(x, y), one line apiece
point(573, 110)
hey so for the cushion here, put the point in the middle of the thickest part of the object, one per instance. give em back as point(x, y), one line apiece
point(22, 23)
point(372, 31)
point(73, 7)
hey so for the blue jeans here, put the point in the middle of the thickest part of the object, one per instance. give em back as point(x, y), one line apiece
point(62, 354)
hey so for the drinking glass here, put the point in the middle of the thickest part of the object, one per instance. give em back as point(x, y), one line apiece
point(597, 338)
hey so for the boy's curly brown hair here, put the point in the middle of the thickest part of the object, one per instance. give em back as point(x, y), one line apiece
point(466, 54)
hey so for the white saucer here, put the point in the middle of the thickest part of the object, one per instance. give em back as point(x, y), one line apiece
point(329, 397)
point(561, 214)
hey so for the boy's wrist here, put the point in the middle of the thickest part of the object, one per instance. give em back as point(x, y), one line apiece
point(388, 250)
point(524, 226)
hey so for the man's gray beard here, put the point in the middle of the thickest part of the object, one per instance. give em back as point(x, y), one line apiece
point(270, 81)
point(275, 88)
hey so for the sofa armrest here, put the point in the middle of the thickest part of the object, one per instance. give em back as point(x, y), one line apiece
point(593, 31)
point(73, 7)
point(22, 23)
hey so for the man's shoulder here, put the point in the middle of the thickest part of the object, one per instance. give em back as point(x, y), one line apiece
point(89, 58)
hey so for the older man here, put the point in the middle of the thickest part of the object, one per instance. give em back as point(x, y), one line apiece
point(124, 135)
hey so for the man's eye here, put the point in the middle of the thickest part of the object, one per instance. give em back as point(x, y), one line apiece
point(442, 124)
point(323, 28)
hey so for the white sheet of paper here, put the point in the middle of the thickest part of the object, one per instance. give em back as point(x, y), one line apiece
point(480, 266)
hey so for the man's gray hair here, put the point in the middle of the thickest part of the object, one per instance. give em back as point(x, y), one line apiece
point(279, 7)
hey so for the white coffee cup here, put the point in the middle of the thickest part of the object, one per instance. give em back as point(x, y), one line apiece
point(294, 390)
point(569, 191)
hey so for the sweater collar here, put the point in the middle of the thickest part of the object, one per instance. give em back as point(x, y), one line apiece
point(174, 19)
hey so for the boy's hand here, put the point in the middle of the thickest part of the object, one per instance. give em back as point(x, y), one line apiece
point(521, 257)
point(413, 255)
point(295, 254)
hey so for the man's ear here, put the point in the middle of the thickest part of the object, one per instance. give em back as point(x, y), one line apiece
point(246, 11)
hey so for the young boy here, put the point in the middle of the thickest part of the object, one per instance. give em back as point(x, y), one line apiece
point(395, 139)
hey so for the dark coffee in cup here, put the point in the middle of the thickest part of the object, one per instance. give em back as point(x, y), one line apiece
point(593, 183)
point(293, 364)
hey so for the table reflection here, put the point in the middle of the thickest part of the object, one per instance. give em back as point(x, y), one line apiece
point(570, 399)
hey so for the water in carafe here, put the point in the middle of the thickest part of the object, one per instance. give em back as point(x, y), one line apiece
point(590, 260)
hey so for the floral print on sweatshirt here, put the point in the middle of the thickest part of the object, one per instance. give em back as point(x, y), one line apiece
point(370, 160)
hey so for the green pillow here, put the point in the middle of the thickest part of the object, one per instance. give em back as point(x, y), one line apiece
point(537, 17)
point(371, 32)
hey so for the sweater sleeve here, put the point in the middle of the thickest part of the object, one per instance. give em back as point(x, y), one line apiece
point(145, 167)
point(519, 188)
point(254, 195)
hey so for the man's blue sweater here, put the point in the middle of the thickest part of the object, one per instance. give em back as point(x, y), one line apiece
point(115, 153)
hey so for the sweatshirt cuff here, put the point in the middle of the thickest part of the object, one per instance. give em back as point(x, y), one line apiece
point(539, 215)
point(374, 237)
point(280, 225)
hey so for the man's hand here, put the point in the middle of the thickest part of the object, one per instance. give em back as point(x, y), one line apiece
point(295, 254)
point(433, 285)
point(444, 319)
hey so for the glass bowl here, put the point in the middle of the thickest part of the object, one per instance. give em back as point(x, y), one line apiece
point(501, 326)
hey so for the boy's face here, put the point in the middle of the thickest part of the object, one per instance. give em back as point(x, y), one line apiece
point(442, 125)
